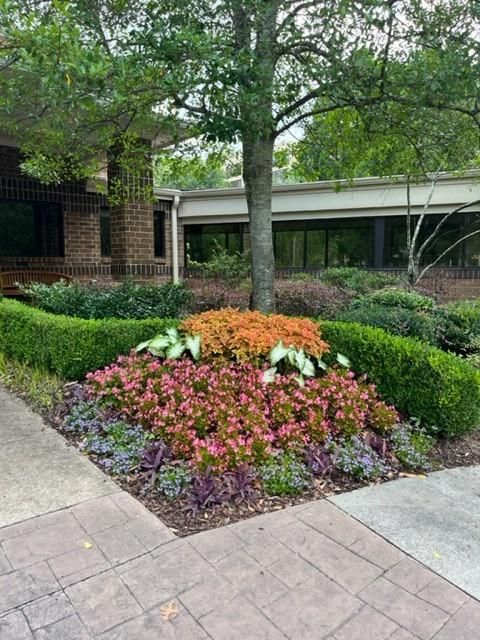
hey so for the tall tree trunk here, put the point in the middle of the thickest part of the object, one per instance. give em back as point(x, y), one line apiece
point(257, 173)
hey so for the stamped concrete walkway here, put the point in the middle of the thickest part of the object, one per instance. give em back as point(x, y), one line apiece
point(101, 567)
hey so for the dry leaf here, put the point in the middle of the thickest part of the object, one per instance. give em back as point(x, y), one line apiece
point(169, 611)
point(436, 554)
point(404, 474)
point(87, 545)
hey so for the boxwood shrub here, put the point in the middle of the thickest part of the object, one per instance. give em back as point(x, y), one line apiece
point(440, 389)
point(69, 346)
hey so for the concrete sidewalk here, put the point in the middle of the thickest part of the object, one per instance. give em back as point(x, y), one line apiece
point(104, 568)
point(434, 518)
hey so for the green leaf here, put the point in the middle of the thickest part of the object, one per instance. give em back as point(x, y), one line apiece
point(156, 352)
point(278, 352)
point(343, 360)
point(269, 375)
point(292, 356)
point(193, 344)
point(175, 350)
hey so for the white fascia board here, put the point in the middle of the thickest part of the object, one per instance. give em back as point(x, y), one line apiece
point(306, 201)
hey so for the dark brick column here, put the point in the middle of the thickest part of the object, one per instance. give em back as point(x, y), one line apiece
point(131, 223)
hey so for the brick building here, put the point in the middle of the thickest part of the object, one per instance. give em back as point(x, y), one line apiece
point(69, 228)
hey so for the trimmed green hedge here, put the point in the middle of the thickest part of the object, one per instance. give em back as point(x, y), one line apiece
point(69, 346)
point(440, 389)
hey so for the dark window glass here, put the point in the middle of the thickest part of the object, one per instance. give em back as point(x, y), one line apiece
point(316, 246)
point(30, 229)
point(159, 233)
point(350, 247)
point(201, 240)
point(105, 232)
point(289, 248)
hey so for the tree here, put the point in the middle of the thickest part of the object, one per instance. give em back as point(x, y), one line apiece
point(246, 70)
point(417, 247)
point(387, 141)
point(198, 167)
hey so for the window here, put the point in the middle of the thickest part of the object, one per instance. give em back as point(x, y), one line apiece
point(105, 232)
point(202, 239)
point(159, 233)
point(29, 229)
point(289, 245)
point(350, 247)
point(315, 244)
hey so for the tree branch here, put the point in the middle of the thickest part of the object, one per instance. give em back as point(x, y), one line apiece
point(444, 253)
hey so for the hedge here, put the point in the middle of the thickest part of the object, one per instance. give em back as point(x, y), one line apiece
point(69, 346)
point(438, 388)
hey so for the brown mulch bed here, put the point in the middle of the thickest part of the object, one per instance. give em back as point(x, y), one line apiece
point(457, 452)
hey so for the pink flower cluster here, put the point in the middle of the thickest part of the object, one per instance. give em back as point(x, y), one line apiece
point(222, 416)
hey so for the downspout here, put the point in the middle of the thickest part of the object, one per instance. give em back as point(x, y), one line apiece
point(174, 217)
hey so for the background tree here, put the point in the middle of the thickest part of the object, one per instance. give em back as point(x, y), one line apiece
point(246, 70)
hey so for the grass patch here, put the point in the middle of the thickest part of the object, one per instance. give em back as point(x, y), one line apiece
point(40, 388)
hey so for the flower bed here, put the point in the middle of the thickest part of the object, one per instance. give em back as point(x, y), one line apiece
point(217, 438)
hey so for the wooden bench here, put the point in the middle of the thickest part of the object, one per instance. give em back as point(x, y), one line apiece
point(10, 280)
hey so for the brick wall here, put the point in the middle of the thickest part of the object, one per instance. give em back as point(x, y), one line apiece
point(131, 224)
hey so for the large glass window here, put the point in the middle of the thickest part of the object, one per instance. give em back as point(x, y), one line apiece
point(30, 229)
point(350, 247)
point(464, 254)
point(201, 240)
point(289, 245)
point(315, 248)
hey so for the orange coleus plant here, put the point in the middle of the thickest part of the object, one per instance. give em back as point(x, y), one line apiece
point(248, 336)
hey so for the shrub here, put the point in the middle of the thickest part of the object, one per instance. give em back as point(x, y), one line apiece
point(69, 346)
point(284, 475)
point(397, 298)
point(358, 280)
point(222, 417)
point(438, 388)
point(127, 300)
point(461, 322)
point(228, 267)
point(248, 336)
point(400, 321)
point(208, 295)
point(310, 298)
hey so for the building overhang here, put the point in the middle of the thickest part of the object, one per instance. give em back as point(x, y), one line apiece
point(365, 197)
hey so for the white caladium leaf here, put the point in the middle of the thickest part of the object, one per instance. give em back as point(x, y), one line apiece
point(308, 369)
point(159, 342)
point(157, 352)
point(193, 345)
point(343, 360)
point(269, 375)
point(175, 351)
point(301, 381)
point(322, 364)
point(142, 345)
point(300, 359)
point(172, 333)
point(292, 356)
point(277, 353)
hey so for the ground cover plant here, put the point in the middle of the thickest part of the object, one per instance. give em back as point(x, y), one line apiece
point(212, 437)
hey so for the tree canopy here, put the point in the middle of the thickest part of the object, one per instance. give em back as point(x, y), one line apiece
point(79, 76)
